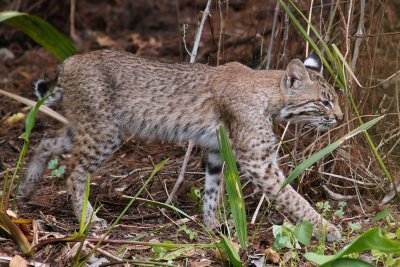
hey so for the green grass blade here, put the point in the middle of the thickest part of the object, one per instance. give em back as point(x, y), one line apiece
point(230, 250)
point(233, 187)
point(372, 239)
point(161, 205)
point(369, 140)
point(41, 32)
point(16, 234)
point(298, 25)
point(322, 153)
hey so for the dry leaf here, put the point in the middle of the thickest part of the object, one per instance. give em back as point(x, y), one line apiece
point(201, 263)
point(272, 255)
point(105, 41)
point(11, 214)
point(17, 117)
point(18, 261)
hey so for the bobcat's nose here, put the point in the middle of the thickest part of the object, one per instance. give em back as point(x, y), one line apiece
point(339, 116)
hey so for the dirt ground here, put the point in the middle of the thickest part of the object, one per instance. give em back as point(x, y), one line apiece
point(150, 29)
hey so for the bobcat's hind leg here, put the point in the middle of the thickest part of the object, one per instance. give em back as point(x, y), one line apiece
point(47, 148)
point(212, 189)
point(91, 149)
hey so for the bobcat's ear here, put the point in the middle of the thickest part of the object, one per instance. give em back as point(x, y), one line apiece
point(296, 73)
point(314, 62)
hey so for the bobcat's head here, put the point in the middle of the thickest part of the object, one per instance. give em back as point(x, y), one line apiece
point(308, 96)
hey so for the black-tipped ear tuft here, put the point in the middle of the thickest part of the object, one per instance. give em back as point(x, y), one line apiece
point(40, 88)
point(314, 62)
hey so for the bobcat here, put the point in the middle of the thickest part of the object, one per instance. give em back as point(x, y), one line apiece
point(109, 96)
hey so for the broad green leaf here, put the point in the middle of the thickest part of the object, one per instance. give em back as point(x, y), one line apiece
point(381, 215)
point(233, 187)
point(372, 239)
point(348, 262)
point(322, 153)
point(230, 250)
point(303, 232)
point(41, 32)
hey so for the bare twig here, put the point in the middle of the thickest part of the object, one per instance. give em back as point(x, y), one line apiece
point(360, 31)
point(199, 32)
point(221, 30)
point(309, 24)
point(336, 196)
point(191, 143)
point(271, 43)
point(104, 253)
point(31, 103)
point(72, 32)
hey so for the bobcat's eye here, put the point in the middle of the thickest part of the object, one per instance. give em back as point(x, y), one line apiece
point(327, 104)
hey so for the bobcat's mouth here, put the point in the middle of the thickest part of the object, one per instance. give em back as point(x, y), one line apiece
point(326, 123)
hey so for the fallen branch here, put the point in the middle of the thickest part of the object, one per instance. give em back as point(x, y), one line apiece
point(336, 196)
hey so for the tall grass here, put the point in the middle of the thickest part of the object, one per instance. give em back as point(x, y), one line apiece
point(335, 58)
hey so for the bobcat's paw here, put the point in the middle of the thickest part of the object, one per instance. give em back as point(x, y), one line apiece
point(327, 230)
point(211, 222)
point(25, 192)
point(98, 223)
point(332, 233)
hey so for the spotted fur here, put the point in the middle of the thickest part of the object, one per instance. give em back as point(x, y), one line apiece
point(108, 96)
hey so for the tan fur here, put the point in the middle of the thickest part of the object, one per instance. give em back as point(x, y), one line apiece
point(108, 96)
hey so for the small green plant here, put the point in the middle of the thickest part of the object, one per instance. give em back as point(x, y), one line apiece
point(289, 236)
point(183, 228)
point(382, 215)
point(196, 196)
point(324, 207)
point(340, 211)
point(386, 259)
point(160, 251)
point(56, 170)
point(355, 227)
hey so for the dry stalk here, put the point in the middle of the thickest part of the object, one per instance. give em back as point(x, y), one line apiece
point(221, 30)
point(72, 32)
point(46, 110)
point(191, 143)
point(309, 24)
point(336, 196)
point(271, 43)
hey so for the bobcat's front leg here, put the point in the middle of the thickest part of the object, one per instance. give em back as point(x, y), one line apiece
point(292, 202)
point(257, 158)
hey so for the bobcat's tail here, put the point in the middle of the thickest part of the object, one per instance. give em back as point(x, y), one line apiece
point(42, 90)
